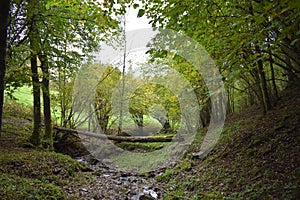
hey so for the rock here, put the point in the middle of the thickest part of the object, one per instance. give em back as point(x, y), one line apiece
point(56, 170)
point(83, 189)
point(151, 192)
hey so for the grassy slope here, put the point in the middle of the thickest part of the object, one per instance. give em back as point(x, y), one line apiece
point(256, 158)
point(32, 173)
point(24, 95)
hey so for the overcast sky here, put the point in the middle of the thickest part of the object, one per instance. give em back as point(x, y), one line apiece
point(108, 55)
point(134, 22)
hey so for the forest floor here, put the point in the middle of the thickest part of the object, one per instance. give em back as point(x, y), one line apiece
point(257, 157)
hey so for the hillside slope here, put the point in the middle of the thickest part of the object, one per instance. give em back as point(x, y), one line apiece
point(257, 157)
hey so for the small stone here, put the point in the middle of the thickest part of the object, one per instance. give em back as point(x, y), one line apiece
point(83, 189)
point(152, 193)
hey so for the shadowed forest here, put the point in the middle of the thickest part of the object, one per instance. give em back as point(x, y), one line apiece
point(69, 123)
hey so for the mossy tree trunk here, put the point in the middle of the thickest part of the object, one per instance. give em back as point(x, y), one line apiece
point(34, 46)
point(4, 10)
point(46, 100)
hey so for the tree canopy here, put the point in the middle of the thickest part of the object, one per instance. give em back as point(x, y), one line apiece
point(255, 45)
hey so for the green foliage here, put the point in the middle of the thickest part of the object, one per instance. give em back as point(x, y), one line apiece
point(107, 82)
point(251, 42)
point(248, 42)
point(64, 33)
point(157, 101)
point(141, 13)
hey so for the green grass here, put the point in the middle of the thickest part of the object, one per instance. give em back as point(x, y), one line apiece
point(24, 95)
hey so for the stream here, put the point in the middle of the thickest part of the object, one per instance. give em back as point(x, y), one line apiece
point(110, 183)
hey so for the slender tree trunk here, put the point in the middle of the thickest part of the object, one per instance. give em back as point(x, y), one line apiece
point(291, 76)
point(205, 114)
point(221, 106)
point(272, 71)
point(273, 77)
point(63, 91)
point(263, 81)
point(230, 100)
point(258, 89)
point(36, 137)
point(46, 99)
point(61, 88)
point(120, 127)
point(4, 10)
point(34, 46)
point(251, 95)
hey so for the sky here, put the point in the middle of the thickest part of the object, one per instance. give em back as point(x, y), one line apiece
point(133, 22)
point(108, 55)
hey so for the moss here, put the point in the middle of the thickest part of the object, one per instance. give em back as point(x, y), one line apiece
point(140, 147)
point(46, 166)
point(15, 187)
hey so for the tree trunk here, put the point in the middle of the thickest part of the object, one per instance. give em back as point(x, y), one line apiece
point(167, 138)
point(35, 137)
point(205, 114)
point(221, 106)
point(273, 78)
point(251, 96)
point(291, 76)
point(46, 99)
point(263, 81)
point(34, 46)
point(4, 10)
point(120, 127)
point(257, 89)
point(272, 71)
point(61, 88)
point(230, 100)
